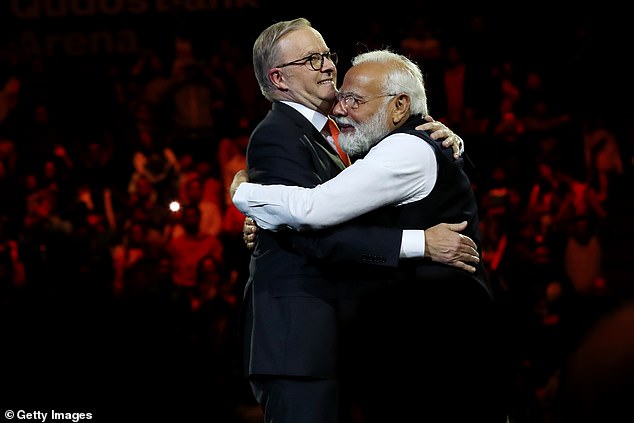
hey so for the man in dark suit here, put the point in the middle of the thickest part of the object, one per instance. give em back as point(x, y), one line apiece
point(433, 325)
point(290, 329)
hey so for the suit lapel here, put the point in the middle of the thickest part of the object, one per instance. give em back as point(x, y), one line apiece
point(334, 156)
point(312, 134)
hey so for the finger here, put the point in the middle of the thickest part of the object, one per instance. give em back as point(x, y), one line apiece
point(456, 150)
point(435, 126)
point(469, 268)
point(437, 129)
point(470, 258)
point(464, 266)
point(450, 138)
point(470, 252)
point(457, 146)
point(465, 240)
point(440, 133)
point(428, 126)
point(457, 227)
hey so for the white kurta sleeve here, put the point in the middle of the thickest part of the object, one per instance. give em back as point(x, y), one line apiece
point(398, 170)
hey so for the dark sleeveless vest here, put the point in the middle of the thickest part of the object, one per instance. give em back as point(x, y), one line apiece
point(452, 200)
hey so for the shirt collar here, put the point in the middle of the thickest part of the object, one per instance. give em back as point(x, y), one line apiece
point(316, 118)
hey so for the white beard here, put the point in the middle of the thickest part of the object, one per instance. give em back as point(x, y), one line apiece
point(365, 135)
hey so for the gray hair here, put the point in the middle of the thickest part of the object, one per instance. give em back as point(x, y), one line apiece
point(266, 51)
point(404, 77)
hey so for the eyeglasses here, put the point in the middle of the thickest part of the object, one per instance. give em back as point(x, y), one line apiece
point(316, 60)
point(350, 101)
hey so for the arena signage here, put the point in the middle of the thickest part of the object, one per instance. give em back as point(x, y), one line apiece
point(51, 28)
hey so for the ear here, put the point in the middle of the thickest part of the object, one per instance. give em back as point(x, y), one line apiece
point(277, 78)
point(400, 112)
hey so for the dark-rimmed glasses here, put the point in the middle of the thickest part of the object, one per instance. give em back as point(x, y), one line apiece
point(316, 60)
point(350, 101)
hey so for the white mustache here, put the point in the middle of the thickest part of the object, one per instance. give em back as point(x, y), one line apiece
point(344, 121)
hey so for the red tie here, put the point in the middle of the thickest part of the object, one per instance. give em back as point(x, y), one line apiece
point(334, 131)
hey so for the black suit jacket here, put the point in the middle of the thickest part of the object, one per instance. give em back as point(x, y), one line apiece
point(290, 301)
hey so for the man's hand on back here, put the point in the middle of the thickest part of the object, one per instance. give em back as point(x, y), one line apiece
point(439, 130)
point(249, 227)
point(445, 244)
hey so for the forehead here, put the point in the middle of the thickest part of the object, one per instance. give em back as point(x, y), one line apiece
point(363, 79)
point(302, 42)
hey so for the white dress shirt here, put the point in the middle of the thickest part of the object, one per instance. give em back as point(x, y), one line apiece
point(400, 169)
point(317, 119)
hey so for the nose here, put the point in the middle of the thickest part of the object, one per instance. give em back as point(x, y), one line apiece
point(329, 66)
point(339, 109)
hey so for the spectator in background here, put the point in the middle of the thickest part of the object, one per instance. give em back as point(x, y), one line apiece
point(187, 249)
point(603, 161)
point(157, 164)
point(583, 256)
point(10, 95)
point(210, 210)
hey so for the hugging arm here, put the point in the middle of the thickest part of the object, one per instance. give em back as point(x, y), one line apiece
point(377, 245)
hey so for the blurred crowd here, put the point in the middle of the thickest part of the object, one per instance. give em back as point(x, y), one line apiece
point(121, 256)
